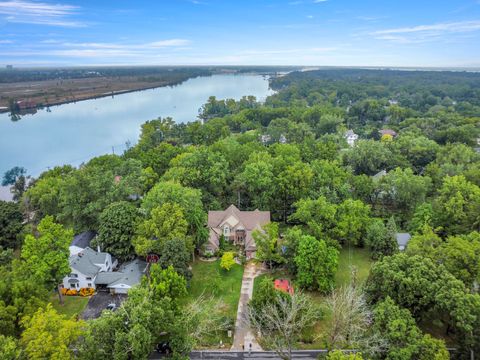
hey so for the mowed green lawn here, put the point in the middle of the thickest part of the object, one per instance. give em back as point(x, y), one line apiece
point(223, 287)
point(73, 305)
point(356, 257)
point(348, 258)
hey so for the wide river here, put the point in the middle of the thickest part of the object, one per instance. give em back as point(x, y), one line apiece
point(75, 132)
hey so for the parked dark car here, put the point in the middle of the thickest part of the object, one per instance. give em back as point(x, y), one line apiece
point(164, 348)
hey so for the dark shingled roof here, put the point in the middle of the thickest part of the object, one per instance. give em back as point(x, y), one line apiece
point(83, 240)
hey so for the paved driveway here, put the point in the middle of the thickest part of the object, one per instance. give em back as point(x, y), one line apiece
point(99, 302)
point(243, 338)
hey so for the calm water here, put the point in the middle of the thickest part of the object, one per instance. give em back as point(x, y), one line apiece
point(73, 133)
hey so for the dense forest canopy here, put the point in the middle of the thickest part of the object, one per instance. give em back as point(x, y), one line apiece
point(414, 168)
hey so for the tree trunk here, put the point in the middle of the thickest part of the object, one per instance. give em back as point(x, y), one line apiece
point(60, 296)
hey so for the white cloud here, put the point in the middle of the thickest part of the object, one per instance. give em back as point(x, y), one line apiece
point(170, 42)
point(424, 33)
point(103, 50)
point(6, 42)
point(29, 12)
point(319, 1)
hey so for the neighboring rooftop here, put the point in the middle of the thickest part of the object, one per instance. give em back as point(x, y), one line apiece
point(388, 132)
point(85, 261)
point(402, 240)
point(83, 239)
point(379, 175)
point(283, 285)
point(132, 273)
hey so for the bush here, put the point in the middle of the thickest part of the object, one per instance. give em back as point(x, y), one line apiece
point(228, 260)
point(87, 291)
point(71, 292)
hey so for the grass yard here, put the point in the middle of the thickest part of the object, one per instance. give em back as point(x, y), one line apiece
point(73, 305)
point(223, 286)
point(360, 258)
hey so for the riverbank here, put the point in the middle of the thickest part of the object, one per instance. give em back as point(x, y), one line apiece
point(32, 95)
point(75, 132)
point(48, 93)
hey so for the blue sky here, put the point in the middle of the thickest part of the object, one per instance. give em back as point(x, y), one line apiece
point(202, 32)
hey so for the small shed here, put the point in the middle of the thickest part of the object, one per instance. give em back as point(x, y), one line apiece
point(283, 285)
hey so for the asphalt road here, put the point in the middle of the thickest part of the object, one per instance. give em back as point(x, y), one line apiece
point(239, 355)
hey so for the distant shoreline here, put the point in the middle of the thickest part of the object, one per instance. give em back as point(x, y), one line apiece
point(94, 96)
point(99, 95)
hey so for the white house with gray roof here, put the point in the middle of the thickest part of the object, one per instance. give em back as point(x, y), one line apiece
point(351, 137)
point(127, 276)
point(85, 266)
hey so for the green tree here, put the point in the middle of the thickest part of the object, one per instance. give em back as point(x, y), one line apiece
point(200, 169)
point(10, 224)
point(352, 220)
point(330, 180)
point(368, 157)
point(227, 260)
point(461, 257)
point(166, 222)
point(46, 256)
point(257, 179)
point(319, 215)
point(190, 201)
point(419, 285)
point(85, 193)
point(8, 348)
point(381, 239)
point(404, 338)
point(175, 253)
point(422, 216)
point(164, 283)
point(316, 264)
point(266, 242)
point(403, 190)
point(293, 183)
point(49, 335)
point(117, 229)
point(340, 355)
point(11, 176)
point(457, 207)
point(45, 195)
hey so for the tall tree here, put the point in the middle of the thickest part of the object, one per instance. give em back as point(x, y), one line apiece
point(316, 264)
point(48, 335)
point(117, 229)
point(174, 252)
point(266, 241)
point(457, 207)
point(46, 256)
point(190, 201)
point(282, 322)
point(353, 218)
point(166, 222)
point(10, 224)
point(404, 340)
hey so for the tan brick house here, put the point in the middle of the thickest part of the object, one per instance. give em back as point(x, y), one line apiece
point(237, 227)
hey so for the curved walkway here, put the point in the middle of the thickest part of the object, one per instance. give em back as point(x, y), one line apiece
point(243, 339)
